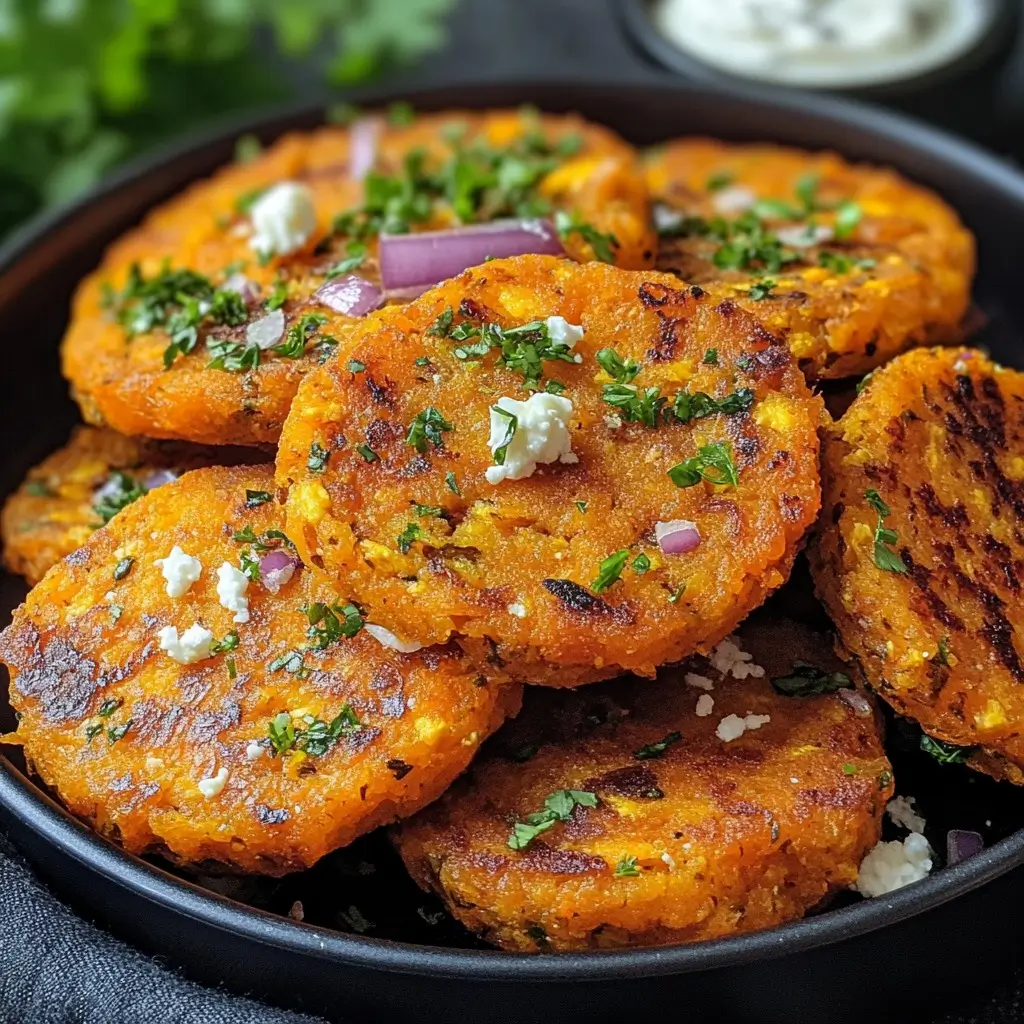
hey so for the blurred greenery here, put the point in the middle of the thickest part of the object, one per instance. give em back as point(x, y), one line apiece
point(87, 83)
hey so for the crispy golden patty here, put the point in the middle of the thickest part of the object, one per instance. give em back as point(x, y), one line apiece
point(618, 815)
point(287, 741)
point(387, 459)
point(920, 555)
point(158, 346)
point(871, 263)
point(82, 485)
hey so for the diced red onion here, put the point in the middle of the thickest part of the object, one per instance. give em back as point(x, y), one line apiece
point(239, 283)
point(961, 844)
point(677, 537)
point(362, 154)
point(351, 295)
point(733, 199)
point(158, 478)
point(857, 701)
point(388, 639)
point(267, 331)
point(110, 489)
point(277, 567)
point(802, 236)
point(424, 259)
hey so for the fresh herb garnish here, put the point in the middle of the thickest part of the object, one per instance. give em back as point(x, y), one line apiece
point(762, 289)
point(406, 538)
point(298, 335)
point(263, 543)
point(109, 706)
point(602, 243)
point(314, 736)
point(806, 680)
point(720, 180)
point(697, 405)
point(558, 806)
point(848, 216)
point(120, 490)
point(355, 366)
point(318, 456)
point(232, 668)
point(253, 499)
point(293, 662)
point(945, 753)
point(451, 483)
point(849, 769)
point(622, 371)
point(278, 296)
point(658, 748)
point(885, 557)
point(355, 257)
point(942, 657)
point(39, 489)
point(523, 348)
point(232, 356)
point(92, 731)
point(368, 454)
point(427, 427)
point(401, 114)
point(229, 643)
point(581, 506)
point(511, 426)
point(610, 571)
point(117, 732)
point(641, 564)
point(441, 327)
point(713, 463)
point(330, 623)
point(710, 357)
point(626, 868)
point(123, 568)
point(423, 511)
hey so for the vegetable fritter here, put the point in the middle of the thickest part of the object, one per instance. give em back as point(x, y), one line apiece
point(852, 264)
point(638, 814)
point(920, 555)
point(190, 692)
point(509, 459)
point(163, 339)
point(84, 484)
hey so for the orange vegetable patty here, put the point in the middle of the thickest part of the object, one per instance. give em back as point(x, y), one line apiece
point(187, 709)
point(641, 814)
point(530, 534)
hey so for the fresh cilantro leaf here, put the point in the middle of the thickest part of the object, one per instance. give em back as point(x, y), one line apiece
point(610, 570)
point(123, 568)
point(806, 680)
point(713, 463)
point(945, 753)
point(426, 429)
point(848, 216)
point(330, 623)
point(451, 483)
point(603, 244)
point(368, 454)
point(641, 564)
point(658, 748)
point(511, 426)
point(885, 558)
point(720, 180)
point(622, 371)
point(407, 537)
point(762, 289)
point(558, 806)
point(626, 868)
point(253, 499)
point(120, 490)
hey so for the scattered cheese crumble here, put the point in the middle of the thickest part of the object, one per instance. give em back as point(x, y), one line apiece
point(705, 705)
point(180, 571)
point(890, 866)
point(193, 645)
point(902, 811)
point(667, 858)
point(214, 786)
point(232, 584)
point(731, 660)
point(561, 332)
point(732, 727)
point(255, 750)
point(518, 610)
point(283, 219)
point(539, 434)
point(698, 682)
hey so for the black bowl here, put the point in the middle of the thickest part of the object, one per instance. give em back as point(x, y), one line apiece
point(889, 956)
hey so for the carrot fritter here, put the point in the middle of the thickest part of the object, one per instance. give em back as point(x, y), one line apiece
point(159, 341)
point(82, 485)
point(623, 814)
point(920, 555)
point(863, 264)
point(676, 408)
point(262, 746)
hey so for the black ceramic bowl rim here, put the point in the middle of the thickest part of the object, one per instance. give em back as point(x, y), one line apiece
point(635, 17)
point(22, 799)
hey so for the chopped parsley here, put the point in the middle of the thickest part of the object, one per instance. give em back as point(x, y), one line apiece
point(610, 571)
point(278, 296)
point(401, 114)
point(232, 668)
point(762, 289)
point(806, 680)
point(523, 348)
point(368, 454)
point(710, 357)
point(253, 499)
point(263, 543)
point(658, 748)
point(676, 594)
point(109, 706)
point(442, 326)
point(298, 335)
point(634, 405)
point(720, 180)
point(626, 868)
point(232, 356)
point(864, 381)
point(318, 456)
point(423, 511)
point(848, 216)
point(697, 405)
point(581, 506)
point(641, 564)
point(885, 557)
point(426, 429)
point(451, 483)
point(622, 371)
point(123, 568)
point(943, 653)
point(602, 243)
point(558, 806)
point(39, 489)
point(840, 264)
point(314, 736)
point(355, 257)
point(330, 623)
point(510, 432)
point(849, 769)
point(713, 463)
point(92, 731)
point(292, 662)
point(229, 643)
point(407, 537)
point(118, 732)
point(355, 366)
point(945, 753)
point(120, 490)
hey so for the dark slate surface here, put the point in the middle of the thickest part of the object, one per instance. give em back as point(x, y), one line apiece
point(56, 968)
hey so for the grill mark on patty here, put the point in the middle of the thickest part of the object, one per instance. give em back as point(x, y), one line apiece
point(921, 578)
point(576, 598)
point(635, 781)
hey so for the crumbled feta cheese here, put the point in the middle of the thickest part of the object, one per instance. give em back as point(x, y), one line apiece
point(540, 434)
point(613, 421)
point(561, 332)
point(154, 763)
point(180, 571)
point(731, 660)
point(732, 727)
point(232, 584)
point(665, 218)
point(214, 786)
point(667, 858)
point(698, 682)
point(733, 199)
point(801, 236)
point(193, 645)
point(518, 610)
point(795, 781)
point(902, 811)
point(255, 750)
point(705, 705)
point(283, 219)
point(890, 866)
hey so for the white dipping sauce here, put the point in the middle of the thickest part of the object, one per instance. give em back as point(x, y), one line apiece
point(824, 43)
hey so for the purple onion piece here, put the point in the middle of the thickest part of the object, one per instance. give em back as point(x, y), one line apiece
point(857, 701)
point(239, 283)
point(363, 137)
point(158, 478)
point(677, 537)
point(267, 331)
point(351, 295)
point(426, 258)
point(961, 844)
point(277, 567)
